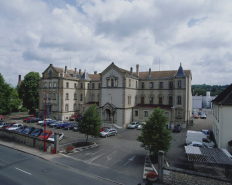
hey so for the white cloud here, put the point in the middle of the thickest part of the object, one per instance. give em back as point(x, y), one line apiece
point(93, 33)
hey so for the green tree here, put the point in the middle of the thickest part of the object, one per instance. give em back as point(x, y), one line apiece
point(154, 135)
point(5, 96)
point(90, 123)
point(29, 91)
point(15, 102)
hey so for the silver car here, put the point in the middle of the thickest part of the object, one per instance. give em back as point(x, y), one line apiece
point(109, 132)
point(134, 124)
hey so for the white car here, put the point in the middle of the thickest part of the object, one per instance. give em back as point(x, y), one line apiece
point(108, 132)
point(140, 126)
point(133, 124)
point(41, 122)
point(52, 137)
point(15, 126)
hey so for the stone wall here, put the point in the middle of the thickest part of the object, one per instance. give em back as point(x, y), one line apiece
point(24, 139)
point(19, 113)
point(178, 176)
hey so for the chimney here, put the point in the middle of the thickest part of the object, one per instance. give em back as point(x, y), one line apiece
point(137, 70)
point(79, 71)
point(95, 72)
point(149, 72)
point(19, 82)
point(65, 70)
point(131, 71)
point(75, 71)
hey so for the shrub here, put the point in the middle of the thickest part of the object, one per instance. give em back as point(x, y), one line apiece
point(69, 148)
point(151, 175)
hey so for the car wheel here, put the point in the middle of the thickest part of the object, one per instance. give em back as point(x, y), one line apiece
point(115, 133)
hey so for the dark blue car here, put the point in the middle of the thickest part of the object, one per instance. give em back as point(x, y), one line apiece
point(62, 125)
point(33, 120)
point(49, 122)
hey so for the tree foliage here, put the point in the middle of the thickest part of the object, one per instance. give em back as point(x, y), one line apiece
point(154, 135)
point(90, 123)
point(214, 89)
point(29, 91)
point(5, 96)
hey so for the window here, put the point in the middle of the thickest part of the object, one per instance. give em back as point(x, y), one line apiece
point(74, 107)
point(92, 85)
point(54, 107)
point(54, 84)
point(45, 84)
point(66, 107)
point(142, 85)
point(151, 85)
point(160, 100)
point(49, 96)
point(145, 113)
point(92, 99)
point(81, 98)
point(136, 84)
point(179, 100)
point(75, 85)
point(66, 96)
point(136, 113)
point(129, 100)
point(151, 100)
point(98, 97)
point(99, 85)
point(75, 96)
point(81, 85)
point(67, 84)
point(129, 82)
point(142, 100)
point(112, 83)
point(54, 96)
point(178, 113)
point(50, 84)
point(161, 85)
point(88, 85)
point(50, 74)
point(170, 85)
point(116, 82)
point(179, 84)
point(108, 82)
point(170, 100)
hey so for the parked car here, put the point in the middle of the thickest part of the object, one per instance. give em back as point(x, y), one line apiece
point(102, 129)
point(8, 125)
point(1, 117)
point(33, 120)
point(195, 116)
point(74, 117)
point(134, 124)
point(46, 134)
point(42, 121)
point(15, 126)
point(55, 123)
point(52, 137)
point(20, 129)
point(206, 132)
point(70, 126)
point(176, 129)
point(75, 129)
point(48, 122)
point(37, 132)
point(2, 124)
point(30, 117)
point(108, 132)
point(141, 125)
point(28, 130)
point(197, 144)
point(203, 116)
point(62, 125)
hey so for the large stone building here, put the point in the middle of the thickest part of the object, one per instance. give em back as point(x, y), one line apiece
point(121, 95)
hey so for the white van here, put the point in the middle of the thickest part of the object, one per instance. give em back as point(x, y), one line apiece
point(200, 137)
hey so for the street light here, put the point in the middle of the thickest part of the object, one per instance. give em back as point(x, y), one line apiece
point(45, 98)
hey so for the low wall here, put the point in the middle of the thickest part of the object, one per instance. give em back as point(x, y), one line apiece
point(24, 139)
point(178, 176)
point(19, 113)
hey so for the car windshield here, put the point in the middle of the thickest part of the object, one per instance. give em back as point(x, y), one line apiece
point(52, 136)
point(106, 130)
point(36, 131)
point(15, 126)
point(132, 123)
point(46, 134)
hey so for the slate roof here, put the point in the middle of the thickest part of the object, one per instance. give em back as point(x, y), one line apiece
point(225, 97)
point(85, 76)
point(180, 72)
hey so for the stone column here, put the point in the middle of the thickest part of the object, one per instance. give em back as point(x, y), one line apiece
point(160, 165)
point(56, 141)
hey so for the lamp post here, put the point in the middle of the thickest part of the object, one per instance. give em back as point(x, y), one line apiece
point(45, 98)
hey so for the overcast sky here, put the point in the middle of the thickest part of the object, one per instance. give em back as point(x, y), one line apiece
point(90, 34)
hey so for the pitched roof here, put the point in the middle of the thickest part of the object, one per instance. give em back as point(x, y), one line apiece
point(161, 74)
point(94, 76)
point(225, 97)
point(180, 72)
point(85, 76)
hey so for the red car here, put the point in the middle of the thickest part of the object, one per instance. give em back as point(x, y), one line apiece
point(47, 134)
point(30, 117)
point(102, 129)
point(195, 116)
point(73, 118)
point(1, 117)
point(8, 125)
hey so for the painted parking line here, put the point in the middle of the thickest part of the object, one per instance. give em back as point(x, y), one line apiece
point(131, 159)
point(109, 156)
point(120, 158)
point(23, 171)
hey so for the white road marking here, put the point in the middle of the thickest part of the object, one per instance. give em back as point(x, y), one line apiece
point(94, 152)
point(131, 159)
point(109, 156)
point(23, 171)
point(120, 158)
point(92, 159)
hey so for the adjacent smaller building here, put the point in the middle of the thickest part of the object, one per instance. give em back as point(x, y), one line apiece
point(222, 125)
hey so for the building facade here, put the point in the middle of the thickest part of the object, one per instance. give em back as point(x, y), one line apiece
point(122, 96)
point(222, 126)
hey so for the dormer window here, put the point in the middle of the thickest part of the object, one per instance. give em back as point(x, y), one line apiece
point(112, 83)
point(50, 74)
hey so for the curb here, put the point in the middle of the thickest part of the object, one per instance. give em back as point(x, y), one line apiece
point(80, 149)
